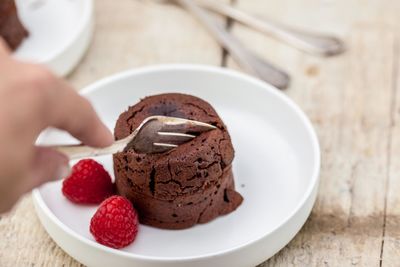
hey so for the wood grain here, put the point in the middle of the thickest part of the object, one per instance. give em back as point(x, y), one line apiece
point(135, 33)
point(353, 101)
point(391, 230)
point(352, 117)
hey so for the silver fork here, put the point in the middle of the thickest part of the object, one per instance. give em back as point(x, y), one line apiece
point(156, 134)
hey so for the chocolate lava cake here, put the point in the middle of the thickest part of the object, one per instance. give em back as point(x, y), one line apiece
point(185, 186)
point(11, 28)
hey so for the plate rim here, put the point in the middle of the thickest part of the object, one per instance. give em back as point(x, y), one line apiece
point(313, 185)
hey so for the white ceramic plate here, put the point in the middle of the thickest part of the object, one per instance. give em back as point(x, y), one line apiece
point(276, 170)
point(59, 32)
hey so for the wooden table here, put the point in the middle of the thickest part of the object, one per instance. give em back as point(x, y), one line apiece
point(353, 101)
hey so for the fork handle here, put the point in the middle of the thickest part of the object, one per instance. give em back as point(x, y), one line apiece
point(246, 59)
point(82, 151)
point(311, 43)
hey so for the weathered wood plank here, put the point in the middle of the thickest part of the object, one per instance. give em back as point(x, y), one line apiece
point(134, 33)
point(353, 125)
point(391, 231)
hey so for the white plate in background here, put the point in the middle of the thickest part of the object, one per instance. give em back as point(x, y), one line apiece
point(276, 169)
point(59, 32)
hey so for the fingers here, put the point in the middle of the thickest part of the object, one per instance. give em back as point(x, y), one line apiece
point(71, 112)
point(47, 165)
point(49, 101)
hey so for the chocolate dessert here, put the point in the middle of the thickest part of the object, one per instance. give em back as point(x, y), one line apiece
point(11, 28)
point(187, 185)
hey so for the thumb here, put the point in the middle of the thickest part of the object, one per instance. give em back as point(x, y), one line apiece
point(48, 165)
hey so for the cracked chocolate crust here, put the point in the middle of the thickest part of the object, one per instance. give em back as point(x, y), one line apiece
point(188, 185)
point(11, 28)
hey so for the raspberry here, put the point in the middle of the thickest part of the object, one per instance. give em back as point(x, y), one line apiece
point(115, 223)
point(89, 183)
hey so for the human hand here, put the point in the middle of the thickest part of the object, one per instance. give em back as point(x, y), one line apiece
point(32, 99)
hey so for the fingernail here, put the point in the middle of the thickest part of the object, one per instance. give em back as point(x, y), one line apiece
point(63, 172)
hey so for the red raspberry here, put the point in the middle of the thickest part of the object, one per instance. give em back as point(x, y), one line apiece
point(88, 183)
point(115, 223)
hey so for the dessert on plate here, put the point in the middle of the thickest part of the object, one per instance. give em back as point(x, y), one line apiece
point(185, 186)
point(11, 28)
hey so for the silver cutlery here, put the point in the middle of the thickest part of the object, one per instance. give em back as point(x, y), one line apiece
point(312, 43)
point(249, 61)
point(155, 134)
